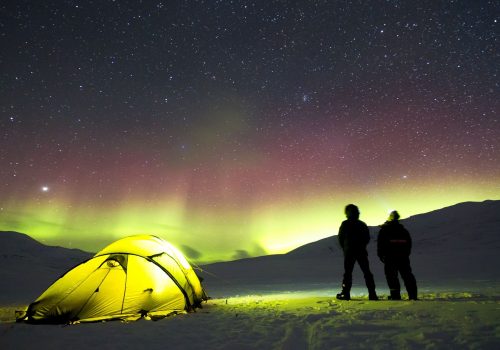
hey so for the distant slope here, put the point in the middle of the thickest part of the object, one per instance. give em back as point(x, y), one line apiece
point(25, 262)
point(462, 227)
point(460, 242)
point(16, 247)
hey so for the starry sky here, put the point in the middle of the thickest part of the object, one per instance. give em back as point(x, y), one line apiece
point(241, 128)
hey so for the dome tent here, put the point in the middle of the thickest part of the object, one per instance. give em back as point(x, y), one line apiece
point(133, 277)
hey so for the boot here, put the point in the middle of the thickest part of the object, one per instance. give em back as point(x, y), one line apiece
point(412, 296)
point(344, 296)
point(412, 291)
point(372, 296)
point(394, 295)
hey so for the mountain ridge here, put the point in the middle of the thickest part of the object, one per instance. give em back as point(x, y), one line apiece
point(456, 242)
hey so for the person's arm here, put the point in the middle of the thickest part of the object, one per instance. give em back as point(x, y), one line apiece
point(341, 235)
point(381, 246)
point(366, 234)
point(408, 239)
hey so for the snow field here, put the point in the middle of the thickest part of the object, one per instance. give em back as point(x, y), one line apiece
point(286, 321)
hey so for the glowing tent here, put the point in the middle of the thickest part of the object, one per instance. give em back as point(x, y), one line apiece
point(133, 277)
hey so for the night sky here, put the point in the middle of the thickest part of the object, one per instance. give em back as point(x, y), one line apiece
point(241, 128)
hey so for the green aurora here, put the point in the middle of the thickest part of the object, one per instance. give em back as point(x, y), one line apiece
point(209, 234)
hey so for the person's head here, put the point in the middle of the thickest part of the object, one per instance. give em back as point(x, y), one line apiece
point(393, 216)
point(351, 211)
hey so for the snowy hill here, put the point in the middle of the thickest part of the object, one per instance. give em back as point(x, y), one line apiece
point(18, 247)
point(456, 243)
point(27, 267)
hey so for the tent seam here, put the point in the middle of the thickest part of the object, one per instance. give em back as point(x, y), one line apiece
point(88, 299)
point(183, 291)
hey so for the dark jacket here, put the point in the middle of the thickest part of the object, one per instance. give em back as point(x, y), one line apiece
point(393, 241)
point(353, 236)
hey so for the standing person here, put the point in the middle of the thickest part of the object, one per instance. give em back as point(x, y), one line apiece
point(393, 249)
point(353, 238)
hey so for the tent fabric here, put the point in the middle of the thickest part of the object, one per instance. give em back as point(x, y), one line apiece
point(137, 276)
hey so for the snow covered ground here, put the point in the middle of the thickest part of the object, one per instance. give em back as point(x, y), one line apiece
point(288, 320)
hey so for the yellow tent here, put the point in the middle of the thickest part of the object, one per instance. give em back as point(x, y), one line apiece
point(137, 276)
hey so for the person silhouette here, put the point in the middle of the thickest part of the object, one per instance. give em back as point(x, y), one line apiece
point(394, 248)
point(353, 238)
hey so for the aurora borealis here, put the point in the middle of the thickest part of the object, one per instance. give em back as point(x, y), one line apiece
point(241, 128)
